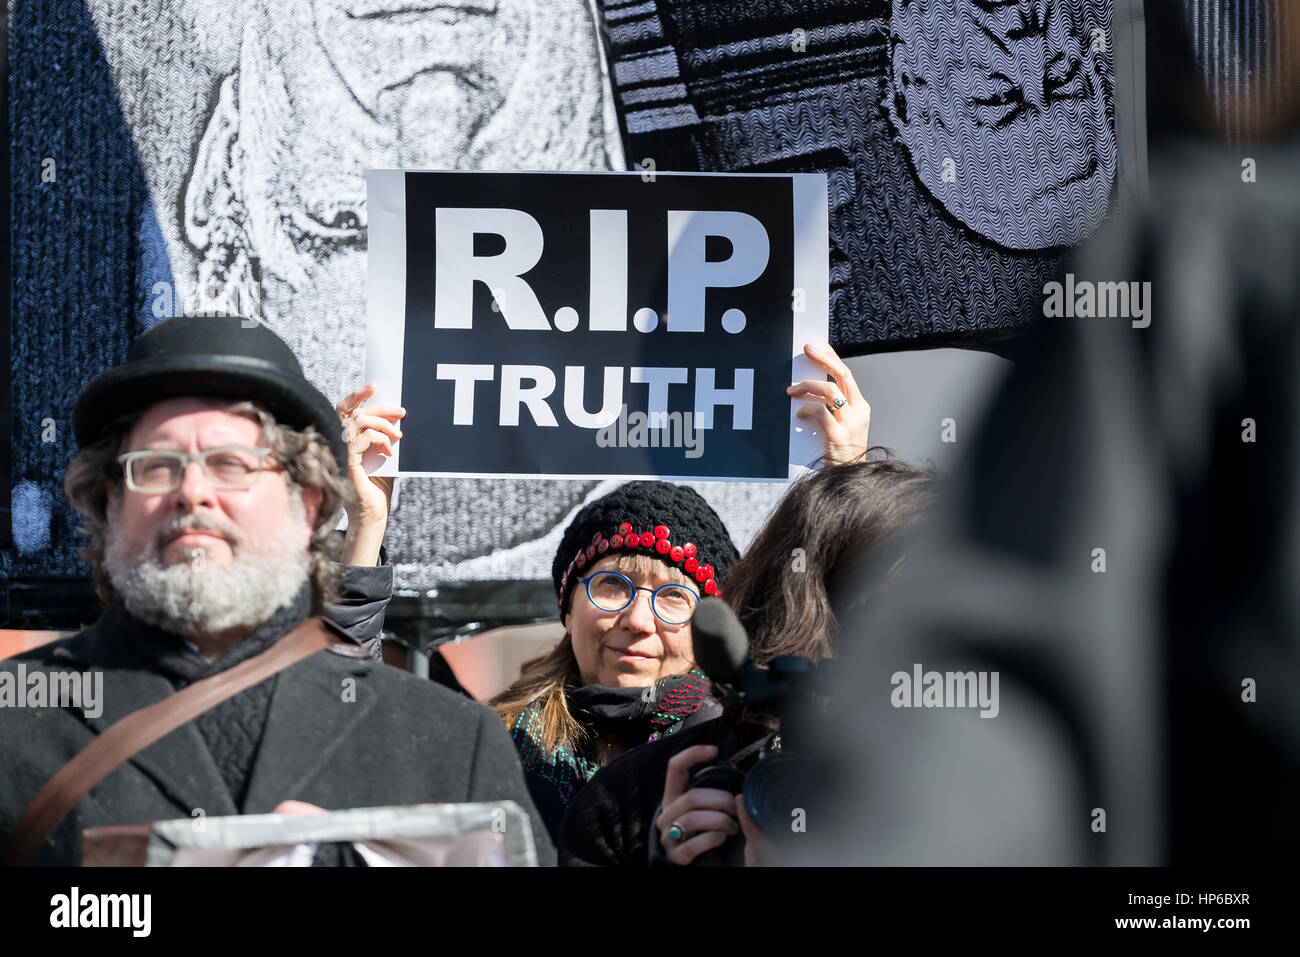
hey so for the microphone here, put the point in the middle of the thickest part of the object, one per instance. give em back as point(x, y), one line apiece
point(719, 641)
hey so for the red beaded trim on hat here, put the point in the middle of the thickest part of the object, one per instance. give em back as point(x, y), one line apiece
point(627, 538)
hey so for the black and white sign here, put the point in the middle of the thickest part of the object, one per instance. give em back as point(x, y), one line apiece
point(571, 325)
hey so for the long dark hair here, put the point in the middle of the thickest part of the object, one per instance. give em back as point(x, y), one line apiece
point(838, 516)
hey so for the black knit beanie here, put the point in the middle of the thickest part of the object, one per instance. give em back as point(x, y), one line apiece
point(666, 521)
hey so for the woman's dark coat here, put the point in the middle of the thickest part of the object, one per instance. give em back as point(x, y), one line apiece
point(629, 729)
point(611, 821)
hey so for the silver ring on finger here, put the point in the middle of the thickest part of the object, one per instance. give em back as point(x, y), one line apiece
point(676, 832)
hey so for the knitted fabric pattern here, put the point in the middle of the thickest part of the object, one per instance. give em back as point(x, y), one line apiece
point(233, 733)
point(678, 703)
point(645, 505)
point(232, 729)
point(1016, 140)
point(85, 254)
point(563, 768)
point(778, 85)
point(209, 157)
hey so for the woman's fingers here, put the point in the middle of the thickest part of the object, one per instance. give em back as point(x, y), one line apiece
point(698, 799)
point(821, 417)
point(687, 851)
point(382, 417)
point(373, 437)
point(844, 436)
point(677, 780)
point(828, 392)
point(828, 359)
point(845, 426)
point(706, 817)
point(695, 822)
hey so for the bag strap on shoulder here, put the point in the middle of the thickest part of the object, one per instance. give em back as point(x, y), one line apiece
point(143, 727)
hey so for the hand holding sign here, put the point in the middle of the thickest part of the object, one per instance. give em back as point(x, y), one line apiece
point(365, 428)
point(579, 325)
point(838, 409)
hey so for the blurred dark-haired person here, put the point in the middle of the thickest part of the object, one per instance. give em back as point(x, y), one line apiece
point(1122, 541)
point(639, 810)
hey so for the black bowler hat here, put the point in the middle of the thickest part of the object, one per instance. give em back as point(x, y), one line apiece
point(210, 356)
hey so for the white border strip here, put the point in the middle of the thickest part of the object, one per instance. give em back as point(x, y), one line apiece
point(812, 274)
point(386, 296)
point(386, 311)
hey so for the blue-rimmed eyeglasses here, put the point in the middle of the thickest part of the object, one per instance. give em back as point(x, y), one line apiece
point(612, 592)
point(229, 467)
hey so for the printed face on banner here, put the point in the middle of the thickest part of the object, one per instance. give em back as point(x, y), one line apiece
point(571, 324)
point(274, 207)
point(979, 86)
point(425, 43)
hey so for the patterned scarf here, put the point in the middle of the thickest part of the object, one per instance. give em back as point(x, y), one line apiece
point(631, 715)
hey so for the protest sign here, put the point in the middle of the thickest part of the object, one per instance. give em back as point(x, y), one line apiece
point(568, 325)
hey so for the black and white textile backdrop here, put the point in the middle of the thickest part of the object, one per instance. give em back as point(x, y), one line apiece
point(596, 325)
point(178, 155)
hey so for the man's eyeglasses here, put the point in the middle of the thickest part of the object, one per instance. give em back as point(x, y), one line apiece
point(228, 467)
point(612, 592)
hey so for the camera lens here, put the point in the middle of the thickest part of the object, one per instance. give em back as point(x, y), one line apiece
point(777, 792)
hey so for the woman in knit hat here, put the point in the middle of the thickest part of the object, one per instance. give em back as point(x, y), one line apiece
point(850, 522)
point(624, 673)
point(630, 571)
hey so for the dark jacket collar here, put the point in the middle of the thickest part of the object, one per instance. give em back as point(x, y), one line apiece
point(101, 643)
point(295, 748)
point(119, 639)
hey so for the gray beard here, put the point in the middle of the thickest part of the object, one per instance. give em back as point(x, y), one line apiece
point(200, 598)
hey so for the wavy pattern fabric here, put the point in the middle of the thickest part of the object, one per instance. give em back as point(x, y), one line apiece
point(1014, 136)
point(922, 251)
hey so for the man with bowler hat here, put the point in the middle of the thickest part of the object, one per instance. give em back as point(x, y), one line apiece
point(209, 476)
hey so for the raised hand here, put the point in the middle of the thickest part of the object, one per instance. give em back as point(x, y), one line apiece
point(366, 427)
point(837, 408)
